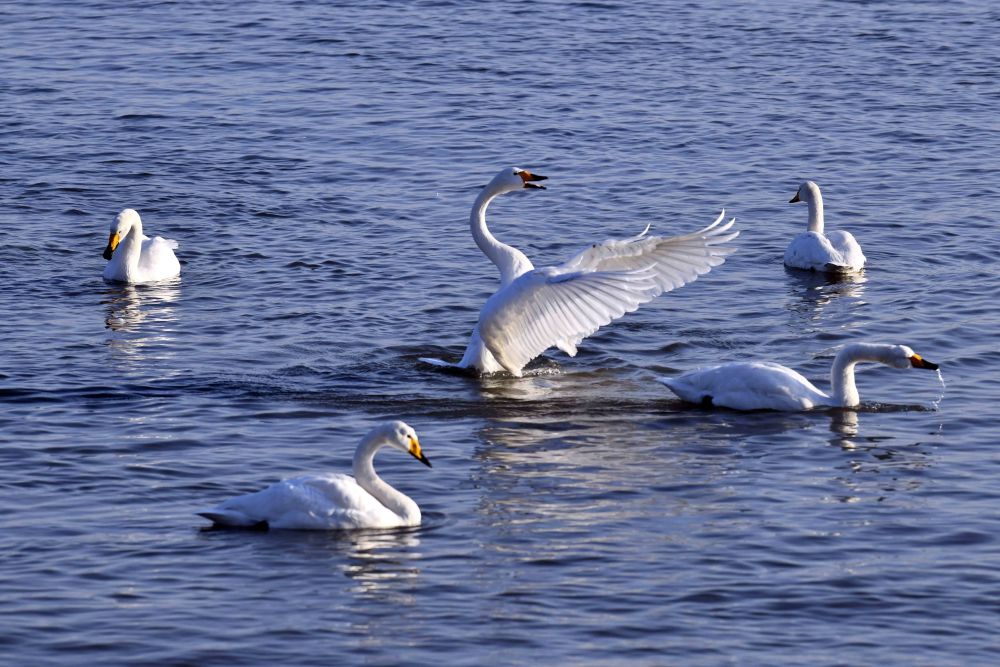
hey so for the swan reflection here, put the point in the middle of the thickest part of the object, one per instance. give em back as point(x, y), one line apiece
point(810, 292)
point(139, 316)
point(878, 465)
point(383, 562)
point(565, 472)
point(844, 426)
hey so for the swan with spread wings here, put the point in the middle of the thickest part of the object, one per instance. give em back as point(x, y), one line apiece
point(536, 309)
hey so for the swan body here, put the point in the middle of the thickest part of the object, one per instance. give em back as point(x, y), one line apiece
point(134, 257)
point(769, 386)
point(330, 501)
point(535, 309)
point(835, 252)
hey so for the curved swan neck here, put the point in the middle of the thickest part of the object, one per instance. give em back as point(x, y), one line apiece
point(131, 245)
point(845, 391)
point(509, 260)
point(364, 472)
point(815, 202)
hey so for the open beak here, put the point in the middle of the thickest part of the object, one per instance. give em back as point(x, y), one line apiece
point(794, 199)
point(919, 362)
point(416, 453)
point(529, 179)
point(112, 244)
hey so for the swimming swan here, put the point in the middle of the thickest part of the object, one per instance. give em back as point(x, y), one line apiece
point(836, 252)
point(330, 501)
point(535, 309)
point(136, 258)
point(768, 386)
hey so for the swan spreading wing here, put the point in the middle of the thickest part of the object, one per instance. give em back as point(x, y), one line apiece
point(563, 305)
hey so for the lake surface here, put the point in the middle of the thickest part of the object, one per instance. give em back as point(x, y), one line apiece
point(317, 163)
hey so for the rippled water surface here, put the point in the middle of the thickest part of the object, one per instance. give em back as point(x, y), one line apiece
point(317, 163)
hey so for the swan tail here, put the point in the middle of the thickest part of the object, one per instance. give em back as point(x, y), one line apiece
point(439, 363)
point(222, 517)
point(667, 382)
point(830, 267)
point(448, 367)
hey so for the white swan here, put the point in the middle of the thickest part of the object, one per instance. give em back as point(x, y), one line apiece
point(136, 258)
point(836, 252)
point(535, 309)
point(330, 501)
point(769, 386)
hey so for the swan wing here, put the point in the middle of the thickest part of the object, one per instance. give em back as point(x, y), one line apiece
point(157, 260)
point(849, 249)
point(835, 252)
point(675, 260)
point(317, 502)
point(547, 306)
point(563, 305)
point(747, 386)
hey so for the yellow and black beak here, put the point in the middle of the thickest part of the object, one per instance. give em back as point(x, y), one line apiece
point(795, 199)
point(530, 178)
point(416, 453)
point(113, 241)
point(919, 362)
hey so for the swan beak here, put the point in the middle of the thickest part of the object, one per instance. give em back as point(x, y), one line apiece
point(795, 199)
point(112, 244)
point(528, 179)
point(416, 453)
point(919, 362)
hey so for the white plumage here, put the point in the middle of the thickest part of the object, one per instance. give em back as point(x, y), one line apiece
point(835, 252)
point(133, 257)
point(769, 386)
point(536, 309)
point(331, 501)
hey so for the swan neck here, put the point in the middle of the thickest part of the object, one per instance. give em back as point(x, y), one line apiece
point(131, 245)
point(488, 243)
point(816, 213)
point(364, 473)
point(511, 261)
point(845, 391)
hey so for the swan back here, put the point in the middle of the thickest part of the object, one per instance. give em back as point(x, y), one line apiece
point(748, 386)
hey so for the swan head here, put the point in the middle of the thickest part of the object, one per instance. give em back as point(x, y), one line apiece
point(902, 356)
point(401, 435)
point(808, 192)
point(120, 228)
point(513, 178)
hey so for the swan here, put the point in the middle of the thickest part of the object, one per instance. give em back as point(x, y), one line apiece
point(836, 252)
point(136, 258)
point(330, 501)
point(535, 309)
point(769, 386)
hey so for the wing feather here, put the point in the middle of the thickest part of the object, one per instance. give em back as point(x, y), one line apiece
point(565, 304)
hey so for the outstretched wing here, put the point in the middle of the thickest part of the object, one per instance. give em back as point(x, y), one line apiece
point(676, 260)
point(543, 307)
point(563, 305)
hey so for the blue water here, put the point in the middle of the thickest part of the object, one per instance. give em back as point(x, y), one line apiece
point(317, 163)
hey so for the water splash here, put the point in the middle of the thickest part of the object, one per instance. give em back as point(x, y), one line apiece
point(937, 403)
